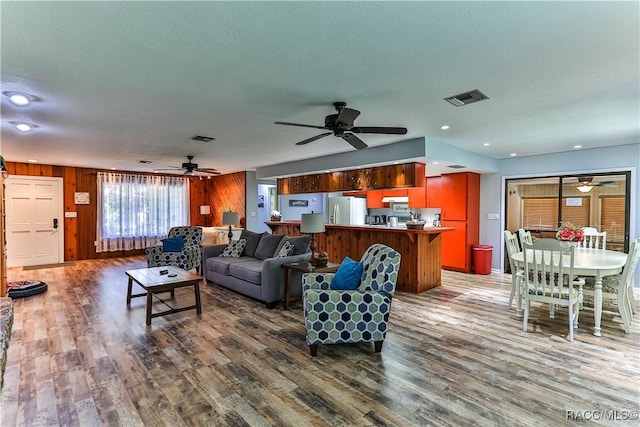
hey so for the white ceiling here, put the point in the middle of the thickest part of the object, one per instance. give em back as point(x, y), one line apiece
point(119, 82)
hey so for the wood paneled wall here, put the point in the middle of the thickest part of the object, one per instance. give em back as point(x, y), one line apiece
point(228, 192)
point(80, 232)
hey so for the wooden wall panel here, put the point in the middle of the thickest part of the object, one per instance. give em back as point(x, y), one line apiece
point(199, 195)
point(70, 224)
point(228, 192)
point(80, 232)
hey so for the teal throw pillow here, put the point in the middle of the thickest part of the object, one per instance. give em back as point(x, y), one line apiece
point(348, 275)
point(173, 244)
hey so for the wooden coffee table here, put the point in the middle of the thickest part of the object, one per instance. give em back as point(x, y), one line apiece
point(153, 282)
point(303, 267)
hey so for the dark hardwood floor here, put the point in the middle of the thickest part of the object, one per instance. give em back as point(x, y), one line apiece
point(454, 355)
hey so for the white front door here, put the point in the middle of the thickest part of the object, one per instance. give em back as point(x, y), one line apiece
point(34, 221)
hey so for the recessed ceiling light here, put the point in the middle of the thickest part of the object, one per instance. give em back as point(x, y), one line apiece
point(23, 127)
point(513, 154)
point(444, 127)
point(434, 163)
point(17, 98)
point(113, 169)
point(577, 146)
point(395, 163)
point(32, 161)
point(486, 144)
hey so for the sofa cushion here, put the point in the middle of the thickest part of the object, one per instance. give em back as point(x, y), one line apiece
point(234, 249)
point(250, 271)
point(173, 244)
point(348, 275)
point(221, 265)
point(285, 250)
point(252, 239)
point(300, 244)
point(268, 245)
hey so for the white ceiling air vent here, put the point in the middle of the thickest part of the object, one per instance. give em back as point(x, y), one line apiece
point(203, 138)
point(466, 98)
point(456, 166)
point(145, 162)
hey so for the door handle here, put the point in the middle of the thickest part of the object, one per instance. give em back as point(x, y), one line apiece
point(55, 222)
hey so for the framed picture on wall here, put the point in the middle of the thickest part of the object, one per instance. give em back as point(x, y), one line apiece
point(261, 200)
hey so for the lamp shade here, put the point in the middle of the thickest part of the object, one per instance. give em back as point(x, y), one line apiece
point(585, 188)
point(205, 210)
point(230, 218)
point(312, 223)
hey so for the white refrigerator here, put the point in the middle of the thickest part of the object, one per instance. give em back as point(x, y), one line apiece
point(347, 210)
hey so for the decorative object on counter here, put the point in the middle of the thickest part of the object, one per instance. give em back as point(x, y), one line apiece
point(230, 218)
point(312, 223)
point(415, 225)
point(393, 221)
point(569, 232)
point(436, 222)
point(275, 216)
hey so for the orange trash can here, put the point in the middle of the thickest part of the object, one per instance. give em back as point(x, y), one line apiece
point(482, 259)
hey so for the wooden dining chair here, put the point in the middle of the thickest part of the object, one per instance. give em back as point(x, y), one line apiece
point(548, 276)
point(517, 274)
point(619, 288)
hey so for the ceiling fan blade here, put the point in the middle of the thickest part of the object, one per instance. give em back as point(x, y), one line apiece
point(347, 116)
point(300, 125)
point(356, 142)
point(382, 130)
point(306, 141)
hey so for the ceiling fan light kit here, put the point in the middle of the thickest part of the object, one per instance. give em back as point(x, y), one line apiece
point(342, 126)
point(584, 188)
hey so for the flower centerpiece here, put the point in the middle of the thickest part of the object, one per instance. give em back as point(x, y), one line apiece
point(570, 233)
point(275, 215)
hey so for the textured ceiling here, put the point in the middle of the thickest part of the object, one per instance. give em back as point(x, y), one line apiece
point(122, 81)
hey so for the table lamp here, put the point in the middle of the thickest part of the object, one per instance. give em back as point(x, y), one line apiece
point(230, 218)
point(312, 223)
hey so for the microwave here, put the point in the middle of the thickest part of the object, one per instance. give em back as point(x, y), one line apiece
point(400, 207)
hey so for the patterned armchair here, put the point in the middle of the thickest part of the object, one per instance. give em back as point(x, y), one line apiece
point(336, 316)
point(190, 257)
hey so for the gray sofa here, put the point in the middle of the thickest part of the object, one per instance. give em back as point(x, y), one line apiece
point(257, 273)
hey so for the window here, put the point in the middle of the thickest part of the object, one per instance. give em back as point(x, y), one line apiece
point(540, 214)
point(135, 211)
point(612, 217)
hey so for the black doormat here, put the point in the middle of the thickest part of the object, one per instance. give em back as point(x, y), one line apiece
point(36, 267)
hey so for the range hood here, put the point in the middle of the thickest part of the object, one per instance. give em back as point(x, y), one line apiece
point(395, 199)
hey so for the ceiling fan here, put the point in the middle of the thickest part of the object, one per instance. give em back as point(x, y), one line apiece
point(341, 125)
point(191, 168)
point(586, 183)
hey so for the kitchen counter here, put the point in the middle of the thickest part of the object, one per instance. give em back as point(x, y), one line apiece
point(420, 267)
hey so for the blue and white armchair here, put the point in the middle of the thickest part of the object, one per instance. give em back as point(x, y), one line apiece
point(346, 316)
point(188, 258)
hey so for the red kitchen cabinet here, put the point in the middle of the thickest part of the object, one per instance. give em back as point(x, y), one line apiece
point(433, 196)
point(456, 253)
point(460, 208)
point(374, 199)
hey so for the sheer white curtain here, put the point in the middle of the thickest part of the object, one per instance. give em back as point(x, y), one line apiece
point(135, 211)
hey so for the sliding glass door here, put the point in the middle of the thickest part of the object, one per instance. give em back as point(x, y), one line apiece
point(599, 200)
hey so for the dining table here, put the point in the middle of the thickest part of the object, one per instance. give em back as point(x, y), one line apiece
point(592, 262)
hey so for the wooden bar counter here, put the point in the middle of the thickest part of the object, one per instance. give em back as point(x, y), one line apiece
point(420, 267)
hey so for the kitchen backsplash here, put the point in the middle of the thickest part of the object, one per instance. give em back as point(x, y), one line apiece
point(426, 214)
